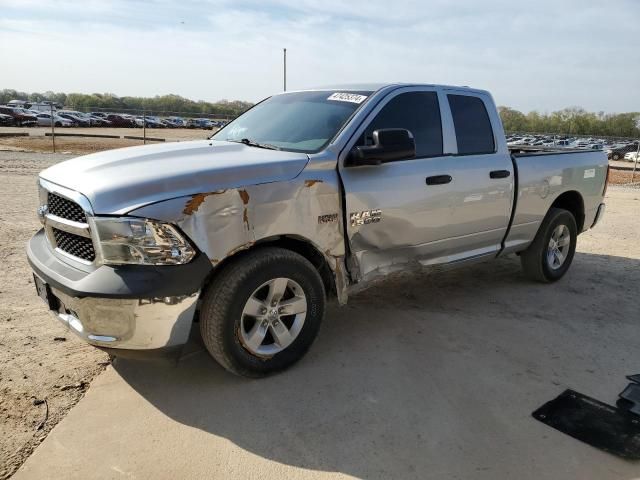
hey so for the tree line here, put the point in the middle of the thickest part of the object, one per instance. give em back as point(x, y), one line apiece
point(572, 121)
point(569, 121)
point(109, 101)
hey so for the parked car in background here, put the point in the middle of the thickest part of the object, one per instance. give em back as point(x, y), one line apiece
point(177, 122)
point(632, 156)
point(619, 152)
point(203, 123)
point(156, 122)
point(149, 122)
point(99, 121)
point(43, 106)
point(6, 120)
point(120, 120)
point(44, 120)
point(86, 117)
point(77, 120)
point(17, 103)
point(21, 117)
point(131, 118)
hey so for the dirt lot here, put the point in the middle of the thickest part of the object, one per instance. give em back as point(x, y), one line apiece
point(589, 346)
point(38, 142)
point(624, 177)
point(44, 371)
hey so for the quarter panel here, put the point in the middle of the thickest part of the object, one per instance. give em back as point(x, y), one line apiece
point(543, 178)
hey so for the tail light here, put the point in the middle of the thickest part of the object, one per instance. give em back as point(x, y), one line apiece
point(606, 181)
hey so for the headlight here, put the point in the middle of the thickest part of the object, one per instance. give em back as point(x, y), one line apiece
point(139, 241)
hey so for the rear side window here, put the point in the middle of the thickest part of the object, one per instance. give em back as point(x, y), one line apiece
point(473, 128)
point(417, 112)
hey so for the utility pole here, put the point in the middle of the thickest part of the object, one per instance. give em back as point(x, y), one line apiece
point(635, 164)
point(285, 69)
point(53, 129)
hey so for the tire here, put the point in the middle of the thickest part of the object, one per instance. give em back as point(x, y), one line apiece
point(58, 124)
point(538, 261)
point(616, 156)
point(225, 327)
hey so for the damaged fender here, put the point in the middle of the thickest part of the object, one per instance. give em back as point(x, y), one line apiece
point(224, 222)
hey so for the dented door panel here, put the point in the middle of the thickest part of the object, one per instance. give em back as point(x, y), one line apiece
point(426, 224)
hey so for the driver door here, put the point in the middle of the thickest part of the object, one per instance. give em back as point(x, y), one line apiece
point(435, 208)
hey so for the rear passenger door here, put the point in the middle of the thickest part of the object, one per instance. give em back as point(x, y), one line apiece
point(441, 206)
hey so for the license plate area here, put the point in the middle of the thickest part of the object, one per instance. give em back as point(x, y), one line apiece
point(44, 292)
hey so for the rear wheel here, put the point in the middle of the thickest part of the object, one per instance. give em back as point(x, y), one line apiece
point(262, 312)
point(550, 254)
point(616, 156)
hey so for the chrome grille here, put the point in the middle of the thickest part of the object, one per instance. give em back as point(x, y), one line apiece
point(63, 208)
point(65, 214)
point(76, 245)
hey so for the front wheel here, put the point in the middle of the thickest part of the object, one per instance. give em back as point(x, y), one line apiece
point(616, 156)
point(262, 312)
point(550, 254)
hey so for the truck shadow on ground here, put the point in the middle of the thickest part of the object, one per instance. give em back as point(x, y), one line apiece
point(426, 373)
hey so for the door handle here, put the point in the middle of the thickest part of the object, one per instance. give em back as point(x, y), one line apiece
point(439, 179)
point(499, 174)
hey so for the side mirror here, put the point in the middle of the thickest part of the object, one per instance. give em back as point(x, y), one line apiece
point(389, 145)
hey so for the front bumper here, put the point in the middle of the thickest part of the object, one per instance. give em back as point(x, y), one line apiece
point(133, 307)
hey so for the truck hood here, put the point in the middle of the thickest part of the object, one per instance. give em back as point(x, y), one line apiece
point(118, 181)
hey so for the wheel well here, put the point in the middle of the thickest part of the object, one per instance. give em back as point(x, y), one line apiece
point(308, 251)
point(295, 244)
point(572, 201)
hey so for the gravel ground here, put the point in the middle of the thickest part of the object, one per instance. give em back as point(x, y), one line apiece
point(44, 371)
point(38, 142)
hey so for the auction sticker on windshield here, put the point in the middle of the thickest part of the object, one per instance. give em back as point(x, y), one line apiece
point(347, 97)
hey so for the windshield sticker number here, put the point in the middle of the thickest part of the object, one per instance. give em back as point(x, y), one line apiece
point(347, 97)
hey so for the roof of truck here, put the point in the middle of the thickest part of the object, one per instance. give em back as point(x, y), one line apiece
point(373, 87)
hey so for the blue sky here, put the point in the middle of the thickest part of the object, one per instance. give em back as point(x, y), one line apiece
point(543, 55)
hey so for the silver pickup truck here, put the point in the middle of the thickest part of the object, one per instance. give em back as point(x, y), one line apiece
point(308, 195)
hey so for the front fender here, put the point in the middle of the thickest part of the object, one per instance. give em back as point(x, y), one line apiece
point(223, 222)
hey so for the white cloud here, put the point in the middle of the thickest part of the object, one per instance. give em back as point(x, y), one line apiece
point(540, 55)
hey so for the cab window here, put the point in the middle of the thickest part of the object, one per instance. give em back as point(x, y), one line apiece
point(417, 112)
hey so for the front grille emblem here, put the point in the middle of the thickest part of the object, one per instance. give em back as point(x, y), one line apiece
point(42, 212)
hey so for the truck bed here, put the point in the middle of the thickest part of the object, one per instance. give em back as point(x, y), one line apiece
point(520, 150)
point(542, 176)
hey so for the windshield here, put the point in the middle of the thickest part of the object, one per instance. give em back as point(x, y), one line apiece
point(298, 122)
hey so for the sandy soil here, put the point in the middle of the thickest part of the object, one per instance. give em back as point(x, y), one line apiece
point(38, 142)
point(45, 371)
point(623, 177)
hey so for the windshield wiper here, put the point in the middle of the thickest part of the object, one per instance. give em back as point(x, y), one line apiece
point(252, 143)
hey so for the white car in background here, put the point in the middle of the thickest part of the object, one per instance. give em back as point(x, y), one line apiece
point(44, 120)
point(632, 156)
